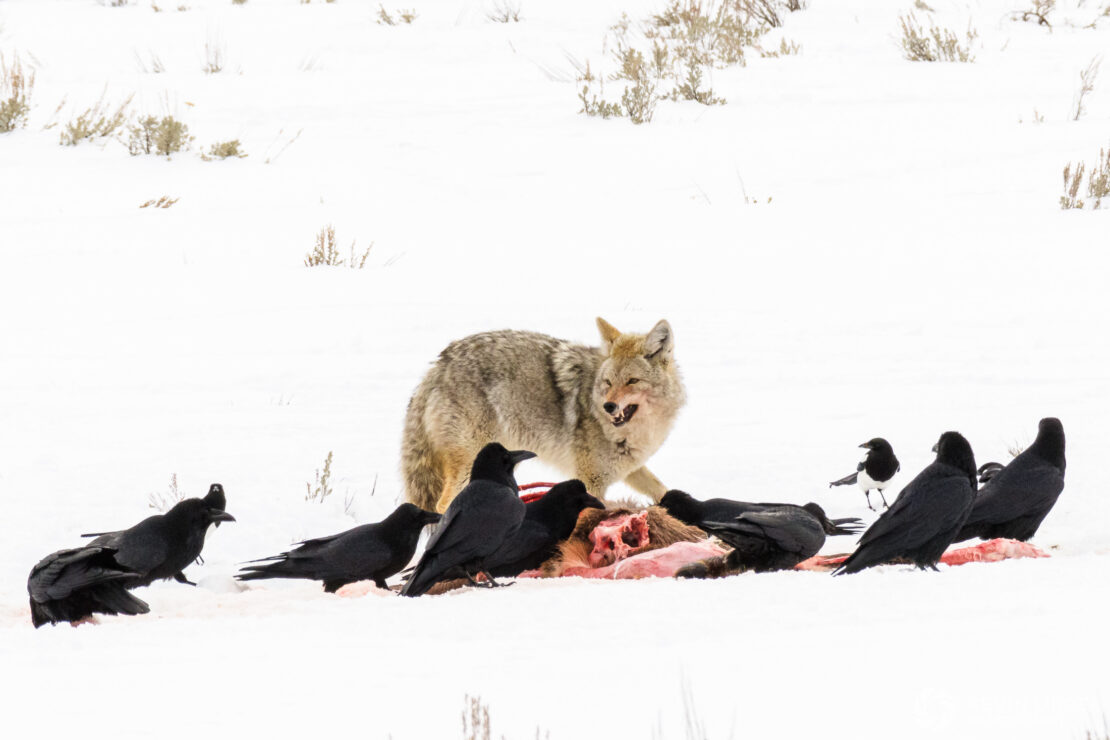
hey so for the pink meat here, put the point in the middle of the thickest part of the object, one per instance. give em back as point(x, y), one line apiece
point(618, 538)
point(661, 563)
point(990, 551)
point(359, 589)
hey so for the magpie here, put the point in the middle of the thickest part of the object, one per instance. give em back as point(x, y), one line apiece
point(875, 471)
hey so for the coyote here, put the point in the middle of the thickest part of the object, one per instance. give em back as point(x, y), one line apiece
point(595, 413)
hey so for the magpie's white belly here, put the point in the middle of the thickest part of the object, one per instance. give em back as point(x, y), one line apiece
point(867, 483)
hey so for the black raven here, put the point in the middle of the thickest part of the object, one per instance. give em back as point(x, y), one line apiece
point(875, 471)
point(689, 510)
point(1016, 499)
point(762, 541)
point(72, 584)
point(162, 546)
point(486, 513)
point(926, 516)
point(372, 551)
point(547, 522)
point(763, 537)
point(988, 470)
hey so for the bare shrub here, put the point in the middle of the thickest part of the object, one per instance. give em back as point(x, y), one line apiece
point(163, 502)
point(322, 489)
point(475, 719)
point(592, 105)
point(153, 135)
point(326, 253)
point(403, 16)
point(238, 2)
point(280, 134)
point(690, 89)
point(16, 86)
point(504, 11)
point(1086, 86)
point(1098, 182)
point(1039, 13)
point(935, 44)
point(223, 150)
point(640, 96)
point(765, 11)
point(678, 44)
point(164, 202)
point(795, 5)
point(786, 48)
point(215, 52)
point(154, 66)
point(98, 121)
point(1073, 178)
point(708, 32)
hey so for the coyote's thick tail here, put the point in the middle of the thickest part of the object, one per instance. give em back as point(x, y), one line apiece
point(419, 467)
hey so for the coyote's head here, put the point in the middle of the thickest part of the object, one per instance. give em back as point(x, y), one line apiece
point(638, 377)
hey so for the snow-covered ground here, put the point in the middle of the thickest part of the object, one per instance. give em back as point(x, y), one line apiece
point(912, 273)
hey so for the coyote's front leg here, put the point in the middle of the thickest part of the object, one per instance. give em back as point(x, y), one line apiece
point(645, 482)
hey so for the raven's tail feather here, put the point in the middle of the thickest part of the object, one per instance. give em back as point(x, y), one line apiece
point(846, 525)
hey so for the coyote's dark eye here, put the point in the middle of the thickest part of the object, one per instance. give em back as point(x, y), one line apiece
point(607, 383)
point(633, 381)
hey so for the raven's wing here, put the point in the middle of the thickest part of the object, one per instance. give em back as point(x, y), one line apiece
point(788, 530)
point(142, 548)
point(355, 554)
point(477, 522)
point(304, 547)
point(60, 574)
point(526, 549)
point(1016, 491)
point(936, 500)
point(318, 542)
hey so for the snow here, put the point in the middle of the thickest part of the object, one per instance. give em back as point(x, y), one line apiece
point(912, 273)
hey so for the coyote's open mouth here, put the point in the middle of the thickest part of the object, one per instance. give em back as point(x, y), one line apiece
point(625, 416)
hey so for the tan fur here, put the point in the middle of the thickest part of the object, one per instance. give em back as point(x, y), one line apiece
point(663, 530)
point(535, 392)
point(721, 566)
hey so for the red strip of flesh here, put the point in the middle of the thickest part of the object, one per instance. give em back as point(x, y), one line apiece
point(990, 551)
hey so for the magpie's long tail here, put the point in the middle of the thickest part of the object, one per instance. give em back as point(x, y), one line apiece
point(847, 480)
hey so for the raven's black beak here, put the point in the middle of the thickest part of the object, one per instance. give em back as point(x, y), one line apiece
point(593, 502)
point(430, 517)
point(216, 516)
point(936, 446)
point(866, 445)
point(519, 456)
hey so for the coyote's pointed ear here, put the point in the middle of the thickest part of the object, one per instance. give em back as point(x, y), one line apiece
point(659, 343)
point(609, 333)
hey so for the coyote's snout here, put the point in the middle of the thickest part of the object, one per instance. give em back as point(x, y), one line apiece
point(595, 413)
